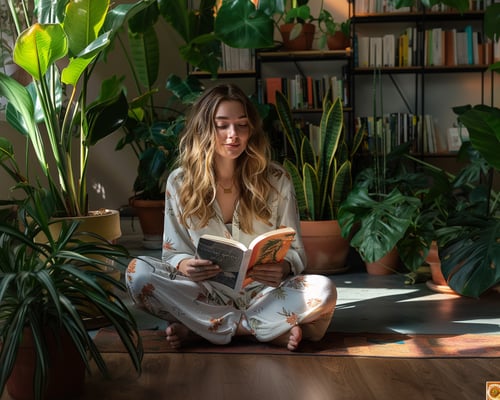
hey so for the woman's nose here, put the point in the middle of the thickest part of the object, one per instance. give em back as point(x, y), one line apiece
point(232, 131)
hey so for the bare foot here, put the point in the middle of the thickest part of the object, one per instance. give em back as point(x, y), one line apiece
point(177, 334)
point(291, 339)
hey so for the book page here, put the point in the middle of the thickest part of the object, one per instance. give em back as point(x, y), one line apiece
point(228, 257)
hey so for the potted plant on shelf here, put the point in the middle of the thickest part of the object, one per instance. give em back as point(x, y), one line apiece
point(335, 35)
point(297, 29)
point(251, 24)
point(45, 298)
point(322, 178)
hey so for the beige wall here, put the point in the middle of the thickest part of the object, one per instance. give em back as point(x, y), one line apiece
point(111, 174)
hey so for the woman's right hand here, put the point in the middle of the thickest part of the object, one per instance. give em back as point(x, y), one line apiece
point(197, 269)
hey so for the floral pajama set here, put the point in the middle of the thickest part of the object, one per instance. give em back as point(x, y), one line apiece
point(209, 311)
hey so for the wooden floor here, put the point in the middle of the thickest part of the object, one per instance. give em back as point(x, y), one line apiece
point(241, 377)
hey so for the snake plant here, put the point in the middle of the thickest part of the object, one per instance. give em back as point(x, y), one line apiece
point(321, 179)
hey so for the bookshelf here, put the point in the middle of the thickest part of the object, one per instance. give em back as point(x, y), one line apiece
point(425, 76)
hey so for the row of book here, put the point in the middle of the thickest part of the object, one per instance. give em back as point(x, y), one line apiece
point(389, 6)
point(441, 48)
point(234, 59)
point(382, 134)
point(387, 50)
point(303, 92)
point(452, 47)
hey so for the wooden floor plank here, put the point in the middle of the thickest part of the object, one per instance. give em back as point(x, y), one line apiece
point(242, 377)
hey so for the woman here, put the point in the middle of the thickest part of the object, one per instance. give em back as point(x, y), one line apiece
point(226, 185)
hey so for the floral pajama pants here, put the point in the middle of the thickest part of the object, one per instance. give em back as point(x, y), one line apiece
point(305, 300)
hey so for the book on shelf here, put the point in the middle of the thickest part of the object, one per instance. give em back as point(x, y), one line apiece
point(236, 260)
point(389, 50)
point(273, 85)
point(363, 55)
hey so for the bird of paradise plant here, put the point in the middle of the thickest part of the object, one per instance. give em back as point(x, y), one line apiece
point(58, 43)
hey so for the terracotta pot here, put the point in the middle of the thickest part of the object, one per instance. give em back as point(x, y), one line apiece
point(326, 249)
point(387, 265)
point(66, 375)
point(302, 42)
point(337, 41)
point(435, 265)
point(438, 282)
point(151, 215)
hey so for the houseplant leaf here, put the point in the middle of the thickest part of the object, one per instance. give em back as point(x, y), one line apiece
point(376, 226)
point(240, 24)
point(470, 260)
point(296, 177)
point(483, 124)
point(38, 47)
point(83, 22)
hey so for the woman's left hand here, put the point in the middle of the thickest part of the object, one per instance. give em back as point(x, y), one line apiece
point(271, 274)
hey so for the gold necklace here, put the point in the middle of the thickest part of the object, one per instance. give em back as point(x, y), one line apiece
point(227, 190)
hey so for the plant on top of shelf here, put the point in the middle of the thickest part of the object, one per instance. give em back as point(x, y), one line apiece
point(251, 24)
point(334, 34)
point(60, 47)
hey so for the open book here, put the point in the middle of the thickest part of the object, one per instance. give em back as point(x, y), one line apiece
point(235, 259)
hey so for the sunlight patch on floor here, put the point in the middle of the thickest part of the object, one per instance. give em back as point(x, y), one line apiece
point(351, 294)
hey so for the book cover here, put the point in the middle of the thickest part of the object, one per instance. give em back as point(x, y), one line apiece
point(235, 259)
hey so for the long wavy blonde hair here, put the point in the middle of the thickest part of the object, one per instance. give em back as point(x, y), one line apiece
point(197, 151)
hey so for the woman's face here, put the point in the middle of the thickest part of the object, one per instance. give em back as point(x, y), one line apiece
point(233, 129)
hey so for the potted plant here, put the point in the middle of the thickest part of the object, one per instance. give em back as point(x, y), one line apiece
point(297, 29)
point(335, 35)
point(468, 246)
point(154, 140)
point(248, 24)
point(401, 213)
point(321, 180)
point(151, 130)
point(58, 56)
point(45, 296)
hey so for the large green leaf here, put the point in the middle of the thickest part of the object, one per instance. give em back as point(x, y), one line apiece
point(20, 109)
point(83, 22)
point(186, 90)
point(483, 124)
point(78, 64)
point(470, 260)
point(39, 47)
point(239, 24)
point(379, 225)
point(331, 126)
point(145, 52)
point(106, 117)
